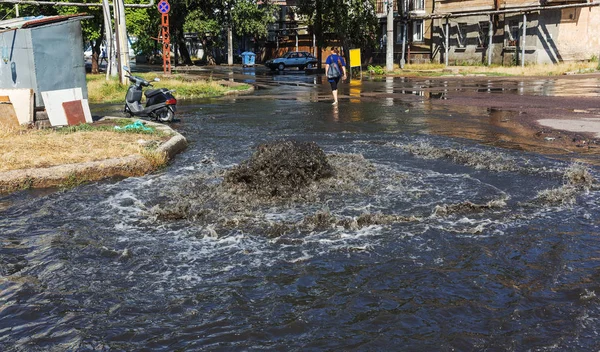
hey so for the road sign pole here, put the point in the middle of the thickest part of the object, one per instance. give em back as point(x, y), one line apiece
point(164, 7)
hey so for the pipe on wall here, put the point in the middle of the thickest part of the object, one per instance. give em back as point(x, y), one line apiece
point(80, 4)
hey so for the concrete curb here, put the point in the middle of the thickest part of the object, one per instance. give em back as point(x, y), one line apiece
point(72, 174)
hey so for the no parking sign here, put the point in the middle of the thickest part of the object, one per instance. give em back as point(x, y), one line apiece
point(163, 6)
point(164, 36)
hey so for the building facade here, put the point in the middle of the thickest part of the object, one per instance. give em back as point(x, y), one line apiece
point(412, 30)
point(289, 33)
point(514, 32)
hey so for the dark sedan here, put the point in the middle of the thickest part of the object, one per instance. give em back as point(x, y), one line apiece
point(300, 59)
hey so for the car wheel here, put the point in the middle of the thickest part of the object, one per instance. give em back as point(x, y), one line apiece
point(309, 66)
point(281, 67)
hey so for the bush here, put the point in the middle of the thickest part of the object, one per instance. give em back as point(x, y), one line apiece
point(378, 70)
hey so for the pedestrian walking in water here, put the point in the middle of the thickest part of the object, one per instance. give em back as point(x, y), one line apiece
point(103, 57)
point(335, 68)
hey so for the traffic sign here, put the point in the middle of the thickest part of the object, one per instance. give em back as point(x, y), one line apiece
point(163, 6)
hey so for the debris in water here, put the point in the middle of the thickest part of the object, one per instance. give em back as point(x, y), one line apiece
point(467, 207)
point(577, 178)
point(280, 169)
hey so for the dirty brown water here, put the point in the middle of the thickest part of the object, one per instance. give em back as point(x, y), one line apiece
point(436, 229)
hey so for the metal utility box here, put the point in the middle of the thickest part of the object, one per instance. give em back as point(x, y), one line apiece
point(43, 54)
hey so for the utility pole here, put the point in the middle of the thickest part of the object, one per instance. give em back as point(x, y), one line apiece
point(122, 43)
point(523, 41)
point(389, 50)
point(108, 36)
point(229, 46)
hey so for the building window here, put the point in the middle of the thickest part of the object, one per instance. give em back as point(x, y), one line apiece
point(400, 33)
point(513, 33)
point(484, 30)
point(417, 5)
point(461, 35)
point(417, 30)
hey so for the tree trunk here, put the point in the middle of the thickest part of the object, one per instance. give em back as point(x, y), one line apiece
point(183, 51)
point(319, 34)
point(346, 45)
point(185, 54)
point(96, 56)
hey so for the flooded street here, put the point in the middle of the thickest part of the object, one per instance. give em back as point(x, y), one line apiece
point(445, 226)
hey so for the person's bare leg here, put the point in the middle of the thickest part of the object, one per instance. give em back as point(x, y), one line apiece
point(334, 92)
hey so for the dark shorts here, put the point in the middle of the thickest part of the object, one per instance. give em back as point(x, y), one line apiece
point(334, 82)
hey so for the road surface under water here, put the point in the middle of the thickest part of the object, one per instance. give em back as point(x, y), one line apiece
point(423, 240)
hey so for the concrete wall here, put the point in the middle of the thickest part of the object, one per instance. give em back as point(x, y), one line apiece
point(579, 35)
point(469, 49)
point(552, 36)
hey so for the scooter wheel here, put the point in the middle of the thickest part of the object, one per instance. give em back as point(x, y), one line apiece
point(127, 111)
point(165, 115)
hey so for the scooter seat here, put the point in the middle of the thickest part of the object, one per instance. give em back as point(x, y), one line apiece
point(151, 92)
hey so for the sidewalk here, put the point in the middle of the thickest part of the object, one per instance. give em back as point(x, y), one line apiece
point(63, 175)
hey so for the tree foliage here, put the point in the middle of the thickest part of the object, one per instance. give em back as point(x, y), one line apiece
point(143, 24)
point(92, 29)
point(250, 18)
point(351, 22)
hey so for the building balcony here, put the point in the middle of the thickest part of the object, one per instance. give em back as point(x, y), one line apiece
point(380, 7)
point(420, 13)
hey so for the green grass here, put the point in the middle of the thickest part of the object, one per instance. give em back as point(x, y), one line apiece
point(86, 127)
point(102, 91)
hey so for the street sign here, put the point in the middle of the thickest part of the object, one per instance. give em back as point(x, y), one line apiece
point(163, 6)
point(355, 60)
point(355, 57)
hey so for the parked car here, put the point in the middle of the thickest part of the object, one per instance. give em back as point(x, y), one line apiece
point(300, 59)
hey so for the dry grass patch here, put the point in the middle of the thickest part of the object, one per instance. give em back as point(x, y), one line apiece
point(535, 70)
point(558, 69)
point(23, 149)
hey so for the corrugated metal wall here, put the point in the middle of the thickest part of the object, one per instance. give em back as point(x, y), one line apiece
point(43, 58)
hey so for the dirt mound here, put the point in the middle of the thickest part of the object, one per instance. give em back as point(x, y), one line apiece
point(280, 169)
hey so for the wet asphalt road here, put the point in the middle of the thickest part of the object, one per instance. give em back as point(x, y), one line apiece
point(496, 111)
point(459, 238)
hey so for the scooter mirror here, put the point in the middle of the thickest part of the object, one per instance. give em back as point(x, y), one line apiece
point(156, 79)
point(126, 68)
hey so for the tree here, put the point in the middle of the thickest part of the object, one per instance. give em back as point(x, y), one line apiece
point(250, 18)
point(8, 10)
point(208, 30)
point(92, 29)
point(143, 24)
point(351, 22)
point(211, 18)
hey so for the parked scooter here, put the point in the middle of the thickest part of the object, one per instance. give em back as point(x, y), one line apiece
point(160, 103)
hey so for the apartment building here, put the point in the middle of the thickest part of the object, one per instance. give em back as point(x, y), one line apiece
point(288, 33)
point(412, 30)
point(514, 32)
point(507, 32)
